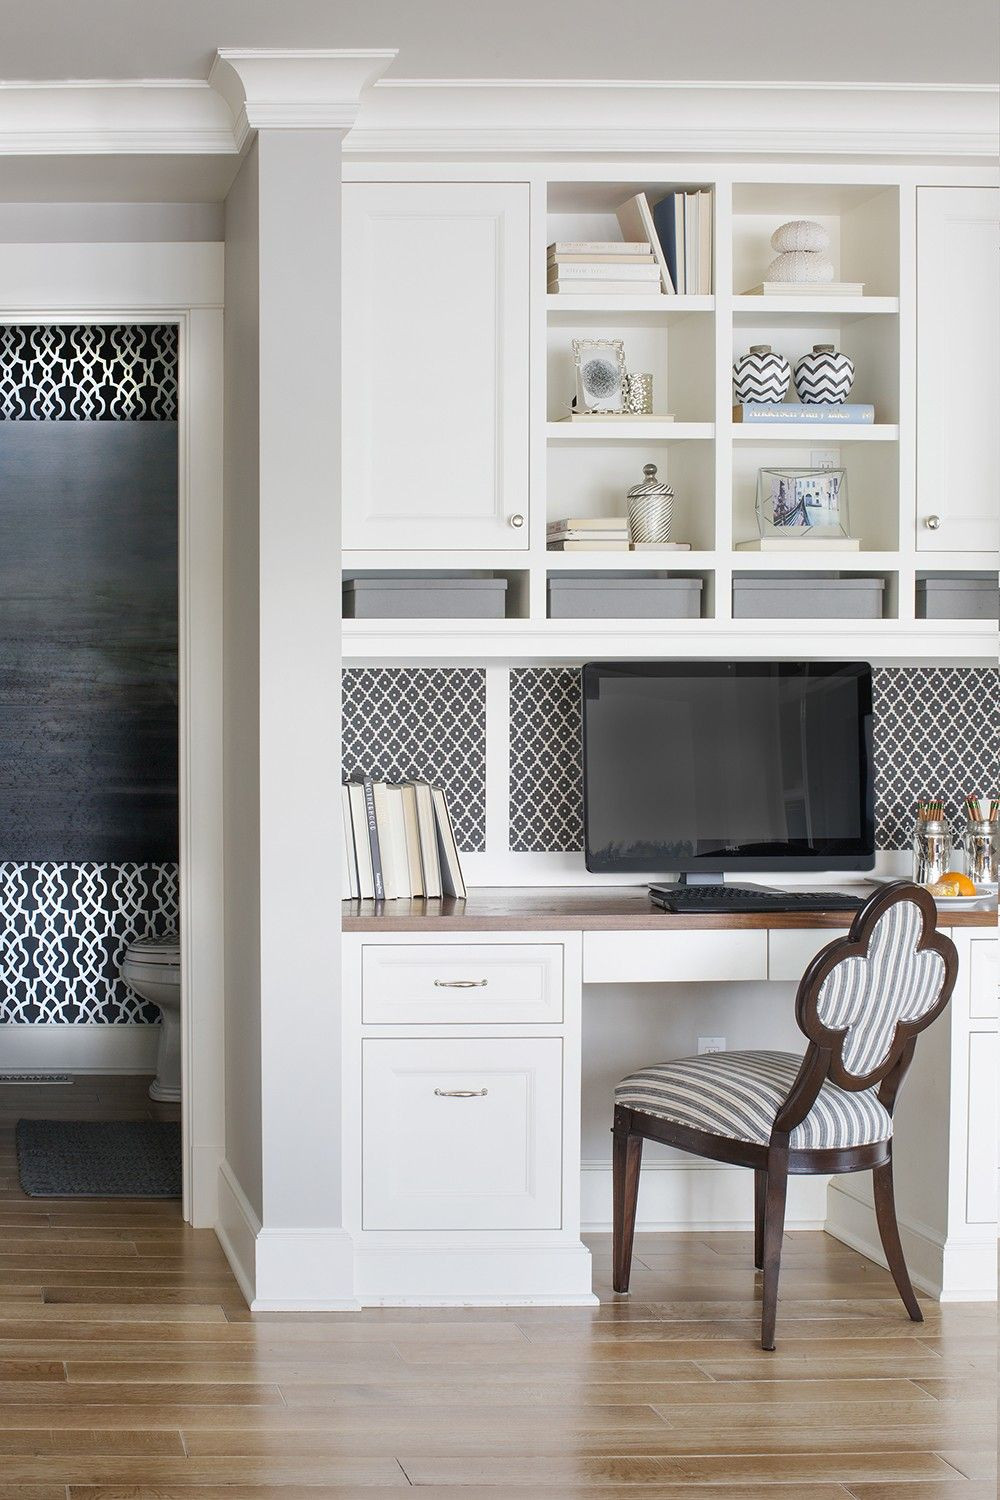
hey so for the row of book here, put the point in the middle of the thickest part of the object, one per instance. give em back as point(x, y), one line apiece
point(678, 229)
point(399, 841)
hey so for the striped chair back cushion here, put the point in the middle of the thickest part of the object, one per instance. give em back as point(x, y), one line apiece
point(871, 995)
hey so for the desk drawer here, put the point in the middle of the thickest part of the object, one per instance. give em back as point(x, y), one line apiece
point(462, 1133)
point(669, 957)
point(461, 984)
point(790, 949)
point(983, 978)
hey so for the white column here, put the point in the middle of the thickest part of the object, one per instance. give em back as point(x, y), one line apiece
point(284, 832)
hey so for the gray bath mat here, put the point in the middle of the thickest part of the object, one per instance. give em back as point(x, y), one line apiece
point(99, 1158)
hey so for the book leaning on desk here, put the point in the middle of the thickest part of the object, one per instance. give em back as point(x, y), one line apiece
point(399, 841)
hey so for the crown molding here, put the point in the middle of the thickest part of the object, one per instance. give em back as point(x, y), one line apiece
point(294, 89)
point(639, 118)
point(101, 116)
point(344, 90)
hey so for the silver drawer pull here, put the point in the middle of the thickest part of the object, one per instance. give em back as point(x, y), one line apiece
point(460, 984)
point(461, 1093)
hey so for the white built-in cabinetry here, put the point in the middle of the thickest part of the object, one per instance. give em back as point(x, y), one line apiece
point(435, 333)
point(458, 369)
point(958, 369)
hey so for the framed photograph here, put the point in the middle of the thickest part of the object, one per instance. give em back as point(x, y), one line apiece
point(802, 503)
point(600, 375)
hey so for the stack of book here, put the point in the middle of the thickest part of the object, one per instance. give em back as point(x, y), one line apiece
point(808, 413)
point(806, 289)
point(588, 534)
point(398, 841)
point(603, 268)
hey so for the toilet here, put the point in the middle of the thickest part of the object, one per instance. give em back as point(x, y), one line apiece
point(152, 967)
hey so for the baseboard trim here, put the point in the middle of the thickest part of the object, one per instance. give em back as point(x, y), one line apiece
point(695, 1195)
point(491, 1275)
point(283, 1270)
point(953, 1271)
point(88, 1048)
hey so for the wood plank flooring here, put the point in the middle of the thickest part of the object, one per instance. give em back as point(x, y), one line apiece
point(130, 1369)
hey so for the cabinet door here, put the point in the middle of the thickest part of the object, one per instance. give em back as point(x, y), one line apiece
point(462, 1134)
point(958, 373)
point(435, 374)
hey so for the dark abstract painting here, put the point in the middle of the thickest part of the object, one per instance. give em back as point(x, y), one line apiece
point(88, 640)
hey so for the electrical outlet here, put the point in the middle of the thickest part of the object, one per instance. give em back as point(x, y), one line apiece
point(825, 458)
point(711, 1044)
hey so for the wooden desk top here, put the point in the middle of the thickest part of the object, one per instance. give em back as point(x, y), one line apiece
point(588, 909)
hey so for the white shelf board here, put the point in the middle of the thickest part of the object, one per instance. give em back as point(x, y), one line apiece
point(436, 561)
point(559, 304)
point(807, 434)
point(673, 562)
point(816, 304)
point(580, 640)
point(621, 430)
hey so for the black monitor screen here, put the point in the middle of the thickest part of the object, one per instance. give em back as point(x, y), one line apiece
point(713, 766)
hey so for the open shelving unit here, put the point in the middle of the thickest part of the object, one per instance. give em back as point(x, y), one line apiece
point(688, 344)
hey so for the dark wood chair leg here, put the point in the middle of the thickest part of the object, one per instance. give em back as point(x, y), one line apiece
point(759, 1191)
point(627, 1159)
point(885, 1215)
point(774, 1229)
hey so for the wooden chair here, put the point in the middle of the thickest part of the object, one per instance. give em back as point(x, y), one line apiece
point(861, 1003)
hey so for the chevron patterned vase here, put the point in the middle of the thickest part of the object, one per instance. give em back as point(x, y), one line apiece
point(824, 377)
point(761, 375)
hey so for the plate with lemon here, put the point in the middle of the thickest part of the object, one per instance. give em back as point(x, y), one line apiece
point(955, 892)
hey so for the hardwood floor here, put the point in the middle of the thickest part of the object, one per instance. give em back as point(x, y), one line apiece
point(130, 1369)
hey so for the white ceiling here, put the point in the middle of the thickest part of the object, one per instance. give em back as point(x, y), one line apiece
point(907, 41)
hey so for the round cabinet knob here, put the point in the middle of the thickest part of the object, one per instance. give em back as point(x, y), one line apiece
point(932, 522)
point(516, 521)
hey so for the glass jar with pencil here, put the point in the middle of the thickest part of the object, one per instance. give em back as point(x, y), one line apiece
point(982, 839)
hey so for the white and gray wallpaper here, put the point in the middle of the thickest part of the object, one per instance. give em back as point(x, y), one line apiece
point(64, 931)
point(88, 372)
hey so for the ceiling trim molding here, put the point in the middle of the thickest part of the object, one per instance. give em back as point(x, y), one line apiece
point(565, 116)
point(345, 91)
point(295, 89)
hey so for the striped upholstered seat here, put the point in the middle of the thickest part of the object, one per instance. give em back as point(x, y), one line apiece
point(738, 1094)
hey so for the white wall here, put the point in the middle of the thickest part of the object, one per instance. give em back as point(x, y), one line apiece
point(241, 686)
point(110, 223)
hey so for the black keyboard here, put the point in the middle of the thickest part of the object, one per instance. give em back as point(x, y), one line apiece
point(734, 898)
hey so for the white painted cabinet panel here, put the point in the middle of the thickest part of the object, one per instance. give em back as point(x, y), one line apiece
point(672, 957)
point(462, 1134)
point(465, 984)
point(958, 372)
point(435, 365)
point(983, 978)
point(981, 1165)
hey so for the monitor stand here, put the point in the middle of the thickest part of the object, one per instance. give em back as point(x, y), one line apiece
point(706, 878)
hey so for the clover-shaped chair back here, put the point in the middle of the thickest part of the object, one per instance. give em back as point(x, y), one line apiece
point(865, 997)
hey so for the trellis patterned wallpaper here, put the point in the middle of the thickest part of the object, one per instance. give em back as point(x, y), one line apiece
point(935, 732)
point(65, 926)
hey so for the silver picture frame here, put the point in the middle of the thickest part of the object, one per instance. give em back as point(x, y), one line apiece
point(600, 375)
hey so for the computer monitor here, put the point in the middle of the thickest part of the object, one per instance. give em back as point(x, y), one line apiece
point(727, 766)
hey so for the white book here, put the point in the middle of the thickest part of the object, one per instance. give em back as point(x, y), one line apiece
point(806, 289)
point(635, 219)
point(349, 875)
point(412, 830)
point(362, 843)
point(589, 523)
point(391, 841)
point(452, 883)
point(429, 859)
point(607, 288)
point(645, 259)
point(590, 271)
point(587, 546)
point(638, 246)
point(661, 546)
point(801, 544)
point(692, 242)
point(618, 416)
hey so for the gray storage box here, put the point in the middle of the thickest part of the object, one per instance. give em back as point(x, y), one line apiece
point(958, 596)
point(806, 596)
point(426, 598)
point(623, 596)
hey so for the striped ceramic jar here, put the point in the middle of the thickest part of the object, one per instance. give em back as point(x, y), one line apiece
point(650, 509)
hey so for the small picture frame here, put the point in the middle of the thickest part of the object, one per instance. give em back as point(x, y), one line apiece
point(600, 375)
point(802, 504)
